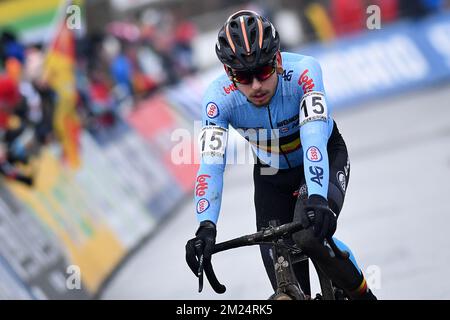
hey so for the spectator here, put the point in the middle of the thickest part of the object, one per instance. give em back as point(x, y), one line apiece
point(12, 125)
point(121, 71)
point(185, 31)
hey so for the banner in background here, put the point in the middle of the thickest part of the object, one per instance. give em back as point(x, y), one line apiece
point(32, 20)
point(33, 264)
point(95, 215)
point(140, 168)
point(64, 207)
point(400, 57)
point(11, 286)
point(156, 122)
point(116, 195)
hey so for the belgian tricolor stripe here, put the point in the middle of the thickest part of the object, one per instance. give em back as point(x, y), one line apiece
point(287, 144)
point(361, 289)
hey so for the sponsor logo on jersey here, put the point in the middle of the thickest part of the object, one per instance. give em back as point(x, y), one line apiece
point(287, 76)
point(340, 176)
point(202, 185)
point(210, 123)
point(284, 129)
point(306, 82)
point(287, 121)
point(212, 110)
point(230, 88)
point(317, 173)
point(202, 205)
point(313, 154)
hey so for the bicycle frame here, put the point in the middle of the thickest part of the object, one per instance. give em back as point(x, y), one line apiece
point(287, 283)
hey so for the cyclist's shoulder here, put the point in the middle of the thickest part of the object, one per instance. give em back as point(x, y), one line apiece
point(220, 87)
point(220, 95)
point(306, 71)
point(299, 63)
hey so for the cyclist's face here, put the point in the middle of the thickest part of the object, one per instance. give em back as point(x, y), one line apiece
point(260, 92)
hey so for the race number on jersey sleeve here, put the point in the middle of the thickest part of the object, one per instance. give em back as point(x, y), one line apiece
point(313, 107)
point(213, 141)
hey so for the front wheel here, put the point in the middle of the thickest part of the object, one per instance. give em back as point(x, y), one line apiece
point(339, 294)
point(289, 292)
point(280, 296)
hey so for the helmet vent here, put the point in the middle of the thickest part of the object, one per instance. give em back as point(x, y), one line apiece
point(252, 36)
point(234, 25)
point(223, 43)
point(267, 33)
point(237, 40)
point(249, 58)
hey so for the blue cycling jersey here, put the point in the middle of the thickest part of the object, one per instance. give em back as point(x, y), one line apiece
point(292, 130)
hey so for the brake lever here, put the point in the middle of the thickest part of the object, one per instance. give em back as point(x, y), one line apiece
point(200, 274)
point(199, 253)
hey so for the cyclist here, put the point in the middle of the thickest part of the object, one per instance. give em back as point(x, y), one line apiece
point(283, 93)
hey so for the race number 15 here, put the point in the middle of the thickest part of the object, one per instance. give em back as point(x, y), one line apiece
point(313, 107)
point(213, 140)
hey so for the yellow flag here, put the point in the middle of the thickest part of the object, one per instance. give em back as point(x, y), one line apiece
point(318, 16)
point(60, 74)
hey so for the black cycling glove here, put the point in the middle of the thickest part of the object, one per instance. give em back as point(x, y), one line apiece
point(201, 246)
point(318, 214)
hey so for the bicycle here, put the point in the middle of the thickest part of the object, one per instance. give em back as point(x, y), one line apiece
point(284, 255)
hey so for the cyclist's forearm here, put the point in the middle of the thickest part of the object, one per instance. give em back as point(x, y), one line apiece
point(315, 157)
point(208, 191)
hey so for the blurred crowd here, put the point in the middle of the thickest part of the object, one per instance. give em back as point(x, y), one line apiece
point(129, 60)
point(325, 20)
point(114, 70)
point(26, 107)
point(142, 53)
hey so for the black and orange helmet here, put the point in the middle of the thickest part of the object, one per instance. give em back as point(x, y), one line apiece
point(247, 41)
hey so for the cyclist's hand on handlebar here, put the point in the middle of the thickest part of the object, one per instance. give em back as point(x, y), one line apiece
point(318, 214)
point(201, 245)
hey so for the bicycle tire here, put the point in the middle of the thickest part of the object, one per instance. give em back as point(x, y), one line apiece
point(280, 296)
point(326, 286)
